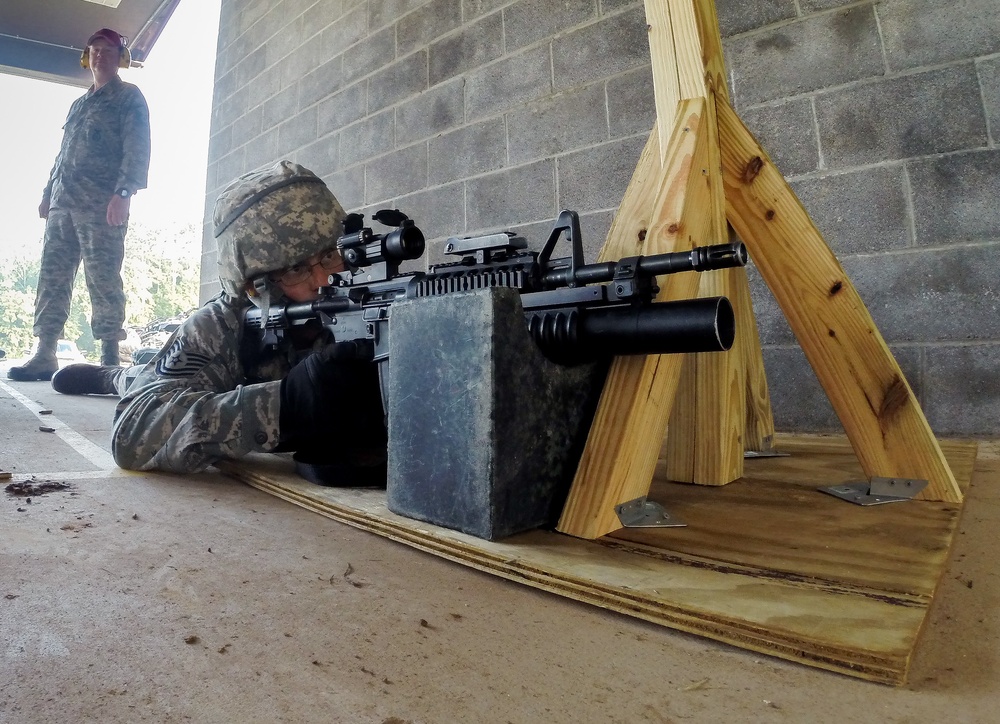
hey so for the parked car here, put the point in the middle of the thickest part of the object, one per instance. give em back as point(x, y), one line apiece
point(67, 353)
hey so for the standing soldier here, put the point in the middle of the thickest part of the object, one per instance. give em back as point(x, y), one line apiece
point(103, 161)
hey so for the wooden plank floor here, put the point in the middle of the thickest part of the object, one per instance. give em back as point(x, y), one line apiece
point(766, 563)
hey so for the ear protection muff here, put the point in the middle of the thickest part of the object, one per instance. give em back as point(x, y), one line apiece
point(124, 56)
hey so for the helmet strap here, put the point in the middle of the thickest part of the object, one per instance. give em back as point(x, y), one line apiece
point(262, 299)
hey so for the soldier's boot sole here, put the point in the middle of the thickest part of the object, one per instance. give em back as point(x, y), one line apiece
point(36, 368)
point(85, 379)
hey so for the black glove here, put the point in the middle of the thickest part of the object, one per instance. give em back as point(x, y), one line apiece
point(331, 399)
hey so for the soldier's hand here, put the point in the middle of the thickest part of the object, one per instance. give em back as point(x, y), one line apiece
point(118, 210)
point(328, 389)
point(43, 209)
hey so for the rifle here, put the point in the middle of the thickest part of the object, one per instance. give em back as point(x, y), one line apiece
point(575, 312)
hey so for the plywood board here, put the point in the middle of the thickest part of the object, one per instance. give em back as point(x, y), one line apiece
point(767, 563)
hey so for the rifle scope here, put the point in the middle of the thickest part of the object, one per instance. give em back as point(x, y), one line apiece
point(364, 247)
point(701, 258)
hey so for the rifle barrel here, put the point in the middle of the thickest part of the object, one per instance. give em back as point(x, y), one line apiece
point(701, 258)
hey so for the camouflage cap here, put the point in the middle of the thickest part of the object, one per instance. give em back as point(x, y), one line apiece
point(270, 218)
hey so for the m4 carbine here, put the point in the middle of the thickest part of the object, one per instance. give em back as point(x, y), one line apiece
point(576, 312)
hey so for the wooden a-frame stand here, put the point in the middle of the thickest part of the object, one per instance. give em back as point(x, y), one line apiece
point(700, 169)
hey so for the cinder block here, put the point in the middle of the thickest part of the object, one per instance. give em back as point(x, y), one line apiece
point(280, 108)
point(258, 151)
point(287, 38)
point(396, 173)
point(860, 212)
point(221, 143)
point(597, 177)
point(348, 186)
point(426, 23)
point(487, 439)
point(225, 85)
point(631, 103)
point(392, 84)
point(932, 295)
point(955, 198)
point(610, 6)
point(771, 323)
point(927, 32)
point(230, 166)
point(348, 30)
point(323, 13)
point(342, 108)
point(508, 82)
point(375, 51)
point(815, 52)
point(434, 111)
point(529, 21)
point(915, 115)
point(558, 124)
point(322, 156)
point(809, 6)
point(369, 137)
point(469, 151)
point(788, 133)
point(963, 397)
point(266, 85)
point(475, 8)
point(251, 66)
point(989, 80)
point(320, 83)
point(739, 16)
point(303, 59)
point(474, 45)
point(383, 12)
point(438, 212)
point(611, 45)
point(511, 196)
point(298, 131)
point(249, 125)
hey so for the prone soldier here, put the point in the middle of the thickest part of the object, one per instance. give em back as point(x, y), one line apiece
point(213, 393)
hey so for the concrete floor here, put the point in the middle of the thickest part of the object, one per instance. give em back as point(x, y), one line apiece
point(159, 598)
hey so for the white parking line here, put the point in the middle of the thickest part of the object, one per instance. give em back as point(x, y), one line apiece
point(97, 455)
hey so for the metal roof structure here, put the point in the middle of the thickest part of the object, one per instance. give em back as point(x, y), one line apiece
point(44, 38)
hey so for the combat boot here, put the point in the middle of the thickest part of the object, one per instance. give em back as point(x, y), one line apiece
point(86, 379)
point(109, 353)
point(40, 367)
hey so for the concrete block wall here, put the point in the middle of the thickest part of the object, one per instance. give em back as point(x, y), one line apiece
point(475, 115)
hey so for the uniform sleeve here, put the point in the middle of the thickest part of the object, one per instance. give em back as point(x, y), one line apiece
point(134, 170)
point(47, 191)
point(190, 406)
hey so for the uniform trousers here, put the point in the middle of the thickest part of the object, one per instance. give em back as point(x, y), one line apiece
point(72, 236)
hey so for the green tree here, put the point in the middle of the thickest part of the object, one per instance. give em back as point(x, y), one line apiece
point(160, 274)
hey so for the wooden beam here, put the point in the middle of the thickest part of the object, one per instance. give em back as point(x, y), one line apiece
point(620, 455)
point(866, 387)
point(705, 435)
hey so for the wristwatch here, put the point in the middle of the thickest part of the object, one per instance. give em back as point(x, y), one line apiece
point(123, 192)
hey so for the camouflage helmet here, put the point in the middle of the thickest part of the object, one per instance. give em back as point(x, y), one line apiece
point(270, 218)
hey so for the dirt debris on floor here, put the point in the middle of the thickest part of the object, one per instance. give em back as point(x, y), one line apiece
point(35, 487)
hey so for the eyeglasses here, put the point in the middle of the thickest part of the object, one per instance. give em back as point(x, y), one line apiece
point(330, 260)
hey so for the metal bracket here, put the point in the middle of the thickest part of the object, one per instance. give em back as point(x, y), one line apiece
point(642, 513)
point(878, 492)
point(770, 453)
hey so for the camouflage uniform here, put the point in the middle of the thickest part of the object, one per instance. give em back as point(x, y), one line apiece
point(209, 393)
point(105, 147)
